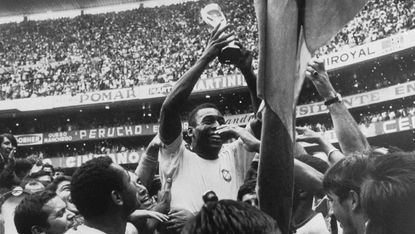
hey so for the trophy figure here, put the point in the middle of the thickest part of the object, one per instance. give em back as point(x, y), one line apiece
point(213, 16)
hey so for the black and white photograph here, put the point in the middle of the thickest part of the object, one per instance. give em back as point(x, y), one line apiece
point(207, 116)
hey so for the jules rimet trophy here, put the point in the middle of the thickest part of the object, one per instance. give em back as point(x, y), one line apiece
point(213, 15)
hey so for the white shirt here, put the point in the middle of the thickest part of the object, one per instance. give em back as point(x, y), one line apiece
point(192, 175)
point(83, 229)
point(316, 225)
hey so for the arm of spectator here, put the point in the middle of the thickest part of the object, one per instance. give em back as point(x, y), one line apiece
point(170, 125)
point(309, 136)
point(245, 66)
point(157, 214)
point(147, 167)
point(299, 149)
point(144, 214)
point(178, 218)
point(351, 139)
point(307, 177)
point(255, 125)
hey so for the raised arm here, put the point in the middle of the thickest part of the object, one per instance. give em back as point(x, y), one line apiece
point(245, 66)
point(147, 167)
point(170, 125)
point(350, 137)
point(307, 177)
point(309, 136)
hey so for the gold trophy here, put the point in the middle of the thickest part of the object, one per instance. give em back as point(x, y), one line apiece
point(213, 15)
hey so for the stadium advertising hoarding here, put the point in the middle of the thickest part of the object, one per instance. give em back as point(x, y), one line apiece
point(370, 50)
point(396, 125)
point(203, 85)
point(119, 95)
point(159, 90)
point(87, 134)
point(362, 99)
point(379, 128)
point(30, 139)
point(107, 133)
point(376, 96)
point(127, 157)
point(385, 127)
point(101, 133)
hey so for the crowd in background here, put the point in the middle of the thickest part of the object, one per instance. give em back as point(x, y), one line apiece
point(95, 148)
point(119, 50)
point(213, 177)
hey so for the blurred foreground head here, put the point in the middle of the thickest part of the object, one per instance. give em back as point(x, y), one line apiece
point(388, 194)
point(228, 216)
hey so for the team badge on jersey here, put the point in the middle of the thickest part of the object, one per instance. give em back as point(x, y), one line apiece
point(226, 175)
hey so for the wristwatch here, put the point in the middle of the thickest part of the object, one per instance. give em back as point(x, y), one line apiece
point(337, 98)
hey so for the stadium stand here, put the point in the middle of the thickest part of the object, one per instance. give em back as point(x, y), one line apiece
point(116, 50)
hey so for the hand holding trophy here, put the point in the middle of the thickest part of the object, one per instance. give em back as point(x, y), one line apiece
point(213, 16)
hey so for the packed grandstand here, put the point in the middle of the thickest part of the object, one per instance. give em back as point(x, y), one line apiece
point(71, 88)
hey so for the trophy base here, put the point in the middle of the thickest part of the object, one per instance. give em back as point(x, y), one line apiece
point(230, 54)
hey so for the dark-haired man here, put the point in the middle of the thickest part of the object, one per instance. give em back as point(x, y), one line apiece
point(342, 185)
point(105, 196)
point(388, 194)
point(247, 193)
point(43, 212)
point(228, 216)
point(207, 164)
point(8, 143)
point(8, 178)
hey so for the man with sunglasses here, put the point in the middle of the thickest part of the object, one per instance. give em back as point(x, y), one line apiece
point(207, 163)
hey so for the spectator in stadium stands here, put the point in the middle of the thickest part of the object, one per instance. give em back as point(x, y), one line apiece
point(206, 164)
point(228, 216)
point(42, 176)
point(61, 185)
point(43, 212)
point(388, 192)
point(8, 145)
point(67, 64)
point(342, 183)
point(247, 193)
point(8, 176)
point(351, 138)
point(48, 169)
point(105, 196)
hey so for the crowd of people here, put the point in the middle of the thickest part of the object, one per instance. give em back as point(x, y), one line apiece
point(377, 20)
point(208, 176)
point(120, 50)
point(206, 182)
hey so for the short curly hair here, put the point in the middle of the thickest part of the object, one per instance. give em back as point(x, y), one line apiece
point(92, 184)
point(30, 212)
point(228, 216)
point(192, 114)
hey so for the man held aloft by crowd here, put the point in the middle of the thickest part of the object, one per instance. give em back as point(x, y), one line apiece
point(207, 164)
